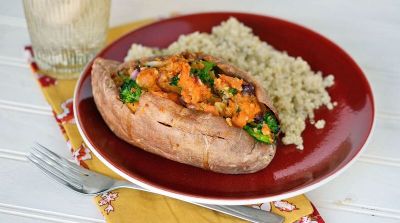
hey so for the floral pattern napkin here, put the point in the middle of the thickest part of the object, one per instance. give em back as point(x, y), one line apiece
point(127, 205)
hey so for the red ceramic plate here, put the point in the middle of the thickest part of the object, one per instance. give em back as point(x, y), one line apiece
point(326, 153)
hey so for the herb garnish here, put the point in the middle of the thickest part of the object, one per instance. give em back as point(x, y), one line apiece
point(205, 74)
point(174, 81)
point(130, 91)
point(233, 91)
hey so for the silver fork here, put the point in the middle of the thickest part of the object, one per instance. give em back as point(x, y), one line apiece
point(88, 182)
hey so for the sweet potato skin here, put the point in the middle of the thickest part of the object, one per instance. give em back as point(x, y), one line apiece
point(162, 127)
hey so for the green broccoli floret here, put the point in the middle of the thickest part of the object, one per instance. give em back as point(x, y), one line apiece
point(204, 74)
point(255, 131)
point(272, 122)
point(208, 66)
point(130, 91)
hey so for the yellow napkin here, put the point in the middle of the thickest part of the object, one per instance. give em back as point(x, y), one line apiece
point(127, 205)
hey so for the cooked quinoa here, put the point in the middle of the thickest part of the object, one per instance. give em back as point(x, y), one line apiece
point(320, 124)
point(295, 90)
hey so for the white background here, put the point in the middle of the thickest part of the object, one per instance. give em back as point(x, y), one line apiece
point(369, 191)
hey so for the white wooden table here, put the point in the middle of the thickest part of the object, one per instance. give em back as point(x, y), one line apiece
point(368, 30)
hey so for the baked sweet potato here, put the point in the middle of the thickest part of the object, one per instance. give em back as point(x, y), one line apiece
point(162, 125)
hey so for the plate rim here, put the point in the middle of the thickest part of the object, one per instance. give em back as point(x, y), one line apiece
point(224, 201)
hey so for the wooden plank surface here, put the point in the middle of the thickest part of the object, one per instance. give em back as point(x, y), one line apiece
point(368, 30)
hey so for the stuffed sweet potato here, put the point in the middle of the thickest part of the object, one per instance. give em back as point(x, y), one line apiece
point(191, 108)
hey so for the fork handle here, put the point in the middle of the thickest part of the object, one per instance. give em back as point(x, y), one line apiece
point(245, 213)
point(242, 212)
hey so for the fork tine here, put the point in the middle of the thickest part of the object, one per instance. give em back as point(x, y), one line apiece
point(53, 176)
point(56, 165)
point(62, 160)
point(54, 172)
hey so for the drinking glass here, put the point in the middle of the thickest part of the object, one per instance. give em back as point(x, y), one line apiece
point(66, 34)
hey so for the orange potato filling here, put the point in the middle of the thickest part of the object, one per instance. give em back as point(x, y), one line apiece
point(223, 98)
